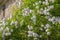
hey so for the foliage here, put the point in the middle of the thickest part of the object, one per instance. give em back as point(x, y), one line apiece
point(34, 20)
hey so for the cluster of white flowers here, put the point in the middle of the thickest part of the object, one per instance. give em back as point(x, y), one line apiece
point(26, 11)
point(53, 20)
point(39, 2)
point(4, 29)
point(46, 27)
point(58, 19)
point(46, 10)
point(50, 7)
point(30, 27)
point(7, 28)
point(42, 26)
point(32, 34)
point(41, 29)
point(14, 23)
point(48, 32)
point(40, 36)
point(11, 30)
point(36, 3)
point(35, 38)
point(1, 28)
point(0, 24)
point(40, 11)
point(46, 2)
point(6, 32)
point(33, 18)
point(3, 21)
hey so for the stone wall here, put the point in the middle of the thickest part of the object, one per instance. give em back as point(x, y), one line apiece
point(9, 8)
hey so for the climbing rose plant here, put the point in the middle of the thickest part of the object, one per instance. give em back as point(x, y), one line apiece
point(33, 20)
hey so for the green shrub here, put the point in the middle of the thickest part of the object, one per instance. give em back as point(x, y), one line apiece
point(34, 20)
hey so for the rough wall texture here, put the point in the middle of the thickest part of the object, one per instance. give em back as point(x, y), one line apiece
point(8, 10)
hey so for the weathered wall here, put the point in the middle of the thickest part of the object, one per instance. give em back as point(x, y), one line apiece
point(9, 8)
